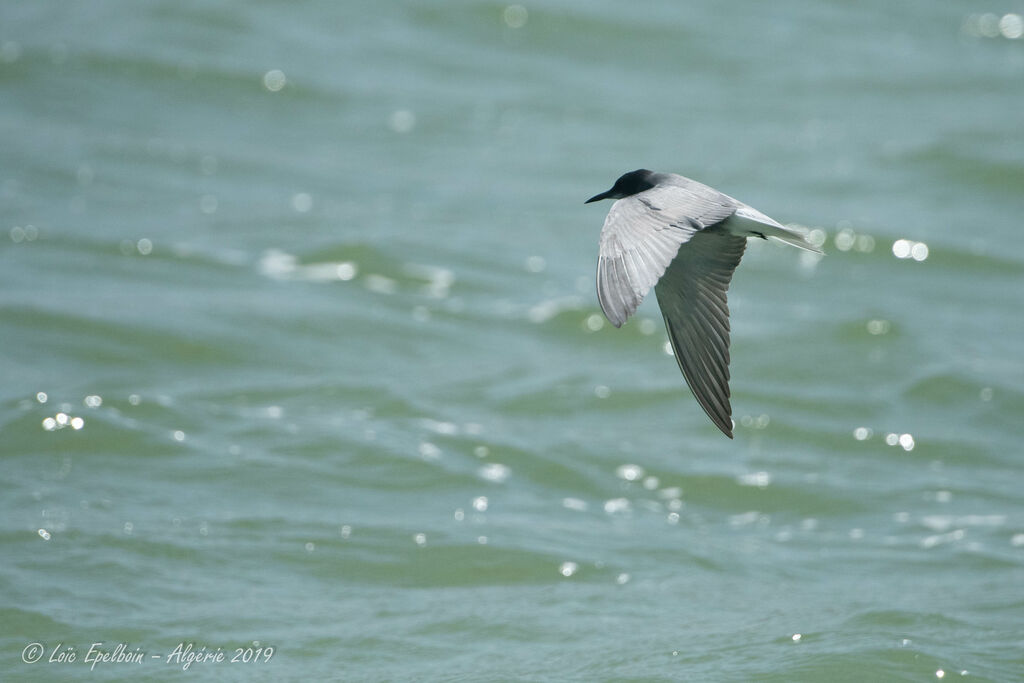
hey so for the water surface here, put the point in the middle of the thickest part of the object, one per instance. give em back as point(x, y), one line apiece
point(301, 347)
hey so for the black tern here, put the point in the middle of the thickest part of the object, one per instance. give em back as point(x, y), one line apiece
point(685, 239)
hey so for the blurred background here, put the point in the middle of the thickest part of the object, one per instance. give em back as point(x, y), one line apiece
point(300, 345)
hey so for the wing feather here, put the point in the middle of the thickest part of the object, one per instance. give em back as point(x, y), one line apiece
point(693, 298)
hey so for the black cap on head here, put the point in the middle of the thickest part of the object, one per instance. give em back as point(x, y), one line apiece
point(627, 185)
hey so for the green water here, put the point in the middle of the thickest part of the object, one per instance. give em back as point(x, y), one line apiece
point(301, 348)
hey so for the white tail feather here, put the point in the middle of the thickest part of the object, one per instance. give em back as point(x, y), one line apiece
point(748, 221)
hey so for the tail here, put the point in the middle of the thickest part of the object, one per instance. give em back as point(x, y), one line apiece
point(748, 221)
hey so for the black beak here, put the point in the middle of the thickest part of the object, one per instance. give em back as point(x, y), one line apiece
point(598, 197)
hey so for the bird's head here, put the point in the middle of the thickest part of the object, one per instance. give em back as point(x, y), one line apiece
point(628, 184)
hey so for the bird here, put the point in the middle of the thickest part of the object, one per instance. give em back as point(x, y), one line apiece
point(685, 240)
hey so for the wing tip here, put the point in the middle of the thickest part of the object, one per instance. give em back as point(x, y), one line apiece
point(611, 315)
point(719, 411)
point(722, 421)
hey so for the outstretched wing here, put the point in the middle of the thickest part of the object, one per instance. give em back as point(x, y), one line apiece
point(643, 233)
point(692, 296)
